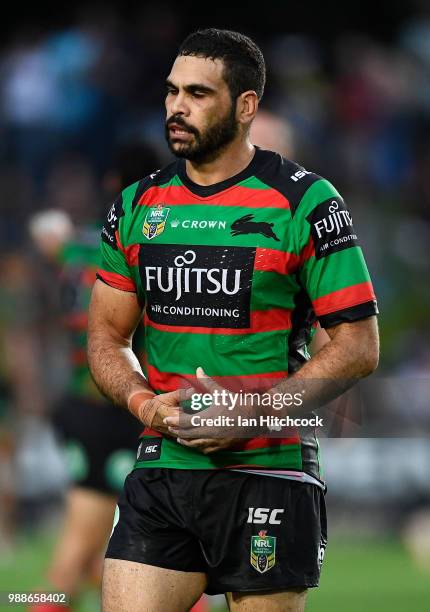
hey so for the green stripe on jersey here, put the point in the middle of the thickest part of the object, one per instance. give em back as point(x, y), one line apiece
point(318, 192)
point(272, 290)
point(218, 354)
point(253, 183)
point(347, 268)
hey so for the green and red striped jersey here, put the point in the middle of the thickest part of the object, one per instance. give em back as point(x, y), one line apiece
point(233, 277)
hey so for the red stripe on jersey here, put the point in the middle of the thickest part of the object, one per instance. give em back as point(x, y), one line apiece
point(179, 195)
point(271, 260)
point(261, 321)
point(344, 298)
point(270, 320)
point(118, 242)
point(132, 254)
point(255, 443)
point(168, 381)
point(117, 281)
point(307, 252)
point(150, 432)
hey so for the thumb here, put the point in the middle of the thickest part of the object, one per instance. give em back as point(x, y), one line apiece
point(181, 395)
point(206, 381)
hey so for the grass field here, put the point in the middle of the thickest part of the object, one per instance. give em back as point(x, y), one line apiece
point(370, 576)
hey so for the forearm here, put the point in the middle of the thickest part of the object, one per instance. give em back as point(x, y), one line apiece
point(112, 318)
point(115, 368)
point(336, 367)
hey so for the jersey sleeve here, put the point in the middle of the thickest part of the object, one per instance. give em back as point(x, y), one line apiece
point(114, 269)
point(332, 267)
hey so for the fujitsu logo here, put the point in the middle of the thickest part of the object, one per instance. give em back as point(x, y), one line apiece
point(185, 279)
point(335, 221)
point(111, 217)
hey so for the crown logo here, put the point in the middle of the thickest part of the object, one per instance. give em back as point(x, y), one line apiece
point(174, 223)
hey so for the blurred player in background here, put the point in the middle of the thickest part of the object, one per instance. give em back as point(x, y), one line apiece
point(272, 132)
point(21, 313)
point(100, 440)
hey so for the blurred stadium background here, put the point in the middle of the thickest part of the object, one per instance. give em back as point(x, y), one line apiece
point(349, 96)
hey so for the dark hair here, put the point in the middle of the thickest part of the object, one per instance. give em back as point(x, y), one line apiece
point(244, 66)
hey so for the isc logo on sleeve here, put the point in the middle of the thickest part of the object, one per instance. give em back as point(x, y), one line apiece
point(149, 449)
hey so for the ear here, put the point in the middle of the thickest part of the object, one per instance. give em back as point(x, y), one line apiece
point(246, 107)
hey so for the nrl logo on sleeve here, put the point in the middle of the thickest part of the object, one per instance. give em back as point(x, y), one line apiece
point(155, 221)
point(263, 549)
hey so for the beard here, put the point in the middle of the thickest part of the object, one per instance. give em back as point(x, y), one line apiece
point(207, 145)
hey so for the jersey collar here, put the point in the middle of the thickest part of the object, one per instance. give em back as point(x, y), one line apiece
point(210, 190)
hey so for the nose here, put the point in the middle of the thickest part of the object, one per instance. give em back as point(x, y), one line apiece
point(177, 105)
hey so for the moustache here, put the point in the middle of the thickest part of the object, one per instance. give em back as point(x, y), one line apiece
point(181, 123)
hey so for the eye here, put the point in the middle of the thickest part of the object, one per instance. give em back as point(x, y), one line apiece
point(171, 91)
point(198, 94)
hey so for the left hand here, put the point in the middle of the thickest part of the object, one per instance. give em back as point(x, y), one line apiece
point(201, 436)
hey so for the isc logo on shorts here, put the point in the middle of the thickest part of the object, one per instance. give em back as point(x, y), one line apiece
point(260, 516)
point(149, 449)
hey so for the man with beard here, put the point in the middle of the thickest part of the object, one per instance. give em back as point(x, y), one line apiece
point(234, 253)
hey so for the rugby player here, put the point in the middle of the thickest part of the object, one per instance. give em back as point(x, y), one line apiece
point(233, 253)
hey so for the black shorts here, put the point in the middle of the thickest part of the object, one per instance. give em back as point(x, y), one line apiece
point(246, 532)
point(100, 442)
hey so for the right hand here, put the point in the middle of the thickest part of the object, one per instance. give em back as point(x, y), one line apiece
point(168, 404)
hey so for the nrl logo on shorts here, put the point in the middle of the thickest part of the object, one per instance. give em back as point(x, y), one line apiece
point(155, 221)
point(263, 548)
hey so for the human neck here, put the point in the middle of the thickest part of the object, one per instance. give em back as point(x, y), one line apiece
point(235, 158)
